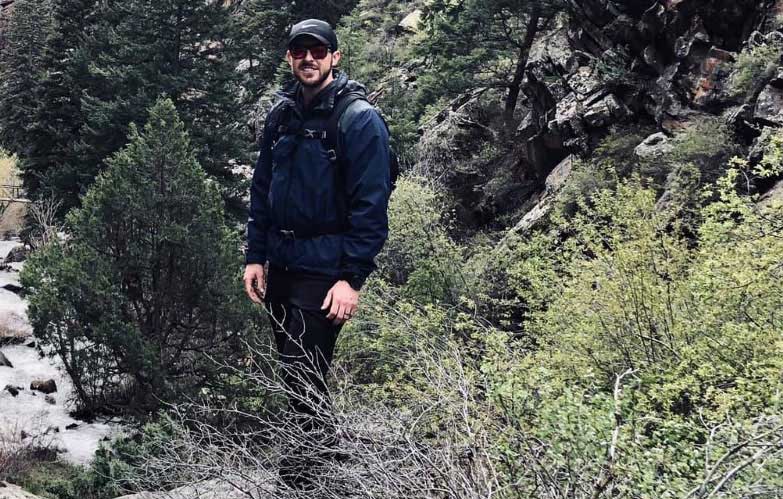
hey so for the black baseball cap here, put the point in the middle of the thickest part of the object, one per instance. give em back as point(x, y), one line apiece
point(320, 30)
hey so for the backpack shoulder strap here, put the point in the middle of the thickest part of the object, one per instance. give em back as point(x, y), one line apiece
point(278, 117)
point(332, 140)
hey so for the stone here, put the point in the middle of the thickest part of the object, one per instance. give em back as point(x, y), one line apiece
point(47, 386)
point(17, 254)
point(605, 111)
point(585, 81)
point(72, 426)
point(773, 197)
point(654, 146)
point(13, 390)
point(50, 400)
point(4, 362)
point(19, 290)
point(11, 491)
point(769, 106)
point(411, 22)
point(713, 77)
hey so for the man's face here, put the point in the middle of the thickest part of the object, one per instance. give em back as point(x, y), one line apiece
point(311, 72)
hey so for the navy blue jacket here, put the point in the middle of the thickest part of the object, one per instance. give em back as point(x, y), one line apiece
point(294, 188)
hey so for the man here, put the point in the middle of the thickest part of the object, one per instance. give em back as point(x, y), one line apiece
point(317, 216)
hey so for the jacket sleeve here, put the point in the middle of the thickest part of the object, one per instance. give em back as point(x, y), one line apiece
point(367, 185)
point(258, 214)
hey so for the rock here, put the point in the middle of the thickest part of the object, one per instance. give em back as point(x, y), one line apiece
point(773, 196)
point(585, 81)
point(769, 106)
point(72, 426)
point(606, 111)
point(48, 386)
point(19, 290)
point(713, 77)
point(259, 487)
point(50, 400)
point(31, 344)
point(17, 254)
point(13, 390)
point(11, 491)
point(4, 362)
point(411, 22)
point(654, 146)
point(52, 429)
point(554, 182)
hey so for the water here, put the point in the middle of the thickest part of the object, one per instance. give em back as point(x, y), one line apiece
point(29, 411)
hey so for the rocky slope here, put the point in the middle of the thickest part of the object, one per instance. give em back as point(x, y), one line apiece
point(660, 66)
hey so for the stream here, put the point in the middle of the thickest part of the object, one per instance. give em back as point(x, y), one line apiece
point(31, 414)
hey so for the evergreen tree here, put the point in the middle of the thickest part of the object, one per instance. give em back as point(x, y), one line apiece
point(481, 43)
point(52, 167)
point(145, 288)
point(20, 69)
point(142, 49)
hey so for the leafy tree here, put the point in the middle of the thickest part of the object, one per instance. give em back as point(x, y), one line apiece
point(20, 67)
point(143, 292)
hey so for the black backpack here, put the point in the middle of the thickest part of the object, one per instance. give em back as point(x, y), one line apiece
point(279, 120)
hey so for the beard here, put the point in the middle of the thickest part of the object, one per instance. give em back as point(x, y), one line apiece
point(312, 83)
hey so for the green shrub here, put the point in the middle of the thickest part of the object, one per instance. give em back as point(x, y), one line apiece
point(141, 301)
point(754, 65)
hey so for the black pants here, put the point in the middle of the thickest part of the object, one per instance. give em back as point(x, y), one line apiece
point(305, 341)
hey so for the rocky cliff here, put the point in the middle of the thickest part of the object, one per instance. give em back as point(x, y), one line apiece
point(658, 66)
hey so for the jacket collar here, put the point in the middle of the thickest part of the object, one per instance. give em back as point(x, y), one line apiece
point(324, 100)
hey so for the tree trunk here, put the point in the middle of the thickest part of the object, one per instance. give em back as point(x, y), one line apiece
point(519, 72)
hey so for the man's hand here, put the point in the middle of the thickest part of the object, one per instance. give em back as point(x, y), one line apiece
point(255, 282)
point(344, 302)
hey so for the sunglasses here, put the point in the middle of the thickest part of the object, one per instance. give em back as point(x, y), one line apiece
point(318, 52)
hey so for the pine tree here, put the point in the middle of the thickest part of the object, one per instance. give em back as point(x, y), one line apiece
point(52, 168)
point(20, 68)
point(142, 299)
point(482, 43)
point(142, 49)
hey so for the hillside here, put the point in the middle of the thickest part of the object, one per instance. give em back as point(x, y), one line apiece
point(579, 295)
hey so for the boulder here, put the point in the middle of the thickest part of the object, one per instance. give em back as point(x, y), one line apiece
point(11, 491)
point(554, 182)
point(713, 77)
point(4, 362)
point(14, 288)
point(411, 22)
point(47, 386)
point(769, 106)
point(654, 146)
point(605, 111)
point(17, 254)
point(13, 390)
point(773, 196)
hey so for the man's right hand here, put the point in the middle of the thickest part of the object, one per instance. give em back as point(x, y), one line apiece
point(255, 282)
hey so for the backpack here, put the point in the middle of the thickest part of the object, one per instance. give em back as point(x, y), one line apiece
point(279, 116)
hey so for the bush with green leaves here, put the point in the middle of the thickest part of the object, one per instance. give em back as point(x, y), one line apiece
point(141, 298)
point(754, 65)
